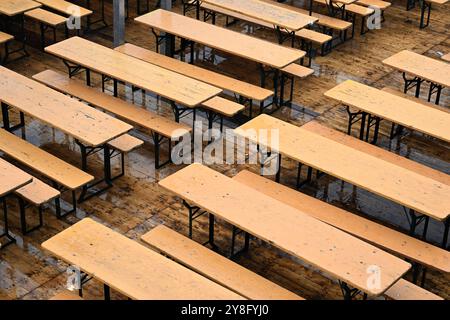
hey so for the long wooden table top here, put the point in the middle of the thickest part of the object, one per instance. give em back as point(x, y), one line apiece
point(267, 12)
point(12, 178)
point(15, 7)
point(402, 185)
point(129, 267)
point(67, 8)
point(147, 76)
point(421, 66)
point(410, 114)
point(232, 42)
point(319, 244)
point(446, 57)
point(88, 125)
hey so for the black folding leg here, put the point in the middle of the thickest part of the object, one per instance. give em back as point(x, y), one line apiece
point(23, 219)
point(6, 234)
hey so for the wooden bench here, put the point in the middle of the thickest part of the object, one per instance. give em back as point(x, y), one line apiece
point(47, 20)
point(159, 127)
point(244, 92)
point(306, 36)
point(60, 173)
point(404, 290)
point(423, 254)
point(5, 38)
point(351, 11)
point(36, 193)
point(123, 145)
point(214, 266)
point(66, 295)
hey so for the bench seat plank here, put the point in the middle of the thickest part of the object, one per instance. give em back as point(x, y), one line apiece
point(139, 116)
point(298, 70)
point(129, 267)
point(43, 162)
point(45, 16)
point(240, 87)
point(377, 234)
point(214, 266)
point(331, 250)
point(38, 192)
point(126, 143)
point(352, 8)
point(5, 37)
point(404, 290)
point(446, 57)
point(223, 106)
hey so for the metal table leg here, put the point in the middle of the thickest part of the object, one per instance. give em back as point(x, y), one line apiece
point(6, 233)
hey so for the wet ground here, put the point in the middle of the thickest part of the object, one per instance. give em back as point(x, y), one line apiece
point(136, 203)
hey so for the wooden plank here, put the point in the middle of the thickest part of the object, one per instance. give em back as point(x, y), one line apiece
point(389, 180)
point(215, 266)
point(168, 84)
point(388, 106)
point(446, 57)
point(12, 178)
point(45, 16)
point(404, 290)
point(90, 126)
point(15, 7)
point(232, 42)
point(319, 244)
point(43, 162)
point(421, 66)
point(5, 37)
point(267, 12)
point(375, 233)
point(67, 8)
point(37, 192)
point(383, 5)
point(213, 78)
point(129, 267)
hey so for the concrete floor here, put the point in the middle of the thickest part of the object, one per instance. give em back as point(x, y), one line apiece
point(136, 203)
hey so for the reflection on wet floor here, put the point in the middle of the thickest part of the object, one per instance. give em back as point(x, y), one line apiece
point(136, 203)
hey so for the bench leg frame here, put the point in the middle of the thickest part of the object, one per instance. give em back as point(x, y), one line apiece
point(424, 5)
point(235, 232)
point(85, 153)
point(6, 121)
point(350, 293)
point(6, 234)
point(102, 20)
point(60, 215)
point(23, 220)
point(435, 88)
point(194, 213)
